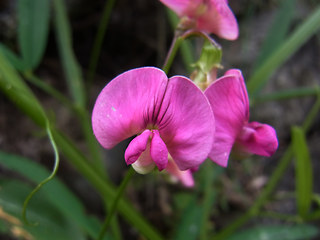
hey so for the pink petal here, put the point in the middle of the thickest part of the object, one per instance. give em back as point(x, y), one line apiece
point(144, 164)
point(229, 101)
point(185, 177)
point(123, 107)
point(181, 7)
point(220, 20)
point(212, 16)
point(158, 151)
point(136, 147)
point(257, 138)
point(186, 123)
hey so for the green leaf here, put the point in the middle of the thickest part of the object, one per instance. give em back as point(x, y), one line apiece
point(309, 27)
point(189, 227)
point(277, 232)
point(303, 169)
point(33, 16)
point(70, 65)
point(18, 92)
point(277, 33)
point(57, 193)
point(51, 225)
point(15, 61)
point(209, 175)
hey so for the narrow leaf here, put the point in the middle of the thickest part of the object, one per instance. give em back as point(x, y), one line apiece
point(277, 33)
point(309, 27)
point(15, 61)
point(56, 192)
point(18, 92)
point(33, 16)
point(277, 232)
point(303, 169)
point(98, 41)
point(189, 227)
point(70, 65)
point(52, 223)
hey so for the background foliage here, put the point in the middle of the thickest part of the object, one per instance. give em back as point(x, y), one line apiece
point(55, 56)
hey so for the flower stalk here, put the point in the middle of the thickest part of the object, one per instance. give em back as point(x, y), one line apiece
point(115, 202)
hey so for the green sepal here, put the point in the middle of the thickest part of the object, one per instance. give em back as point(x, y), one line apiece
point(209, 60)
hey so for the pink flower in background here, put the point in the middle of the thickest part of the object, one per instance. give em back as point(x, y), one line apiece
point(185, 177)
point(229, 101)
point(171, 117)
point(211, 16)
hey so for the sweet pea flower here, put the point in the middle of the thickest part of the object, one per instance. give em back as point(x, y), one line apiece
point(210, 16)
point(171, 118)
point(230, 104)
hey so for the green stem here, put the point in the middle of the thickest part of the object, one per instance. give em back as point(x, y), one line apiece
point(172, 53)
point(115, 202)
point(186, 47)
point(208, 198)
point(273, 182)
point(115, 228)
point(99, 39)
point(103, 186)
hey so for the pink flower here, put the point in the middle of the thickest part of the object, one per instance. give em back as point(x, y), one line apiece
point(172, 119)
point(185, 177)
point(211, 16)
point(229, 101)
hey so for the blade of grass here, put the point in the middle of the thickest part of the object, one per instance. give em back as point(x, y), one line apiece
point(94, 57)
point(50, 90)
point(53, 224)
point(19, 93)
point(277, 32)
point(56, 191)
point(277, 232)
point(210, 175)
point(303, 169)
point(70, 65)
point(309, 27)
point(75, 81)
